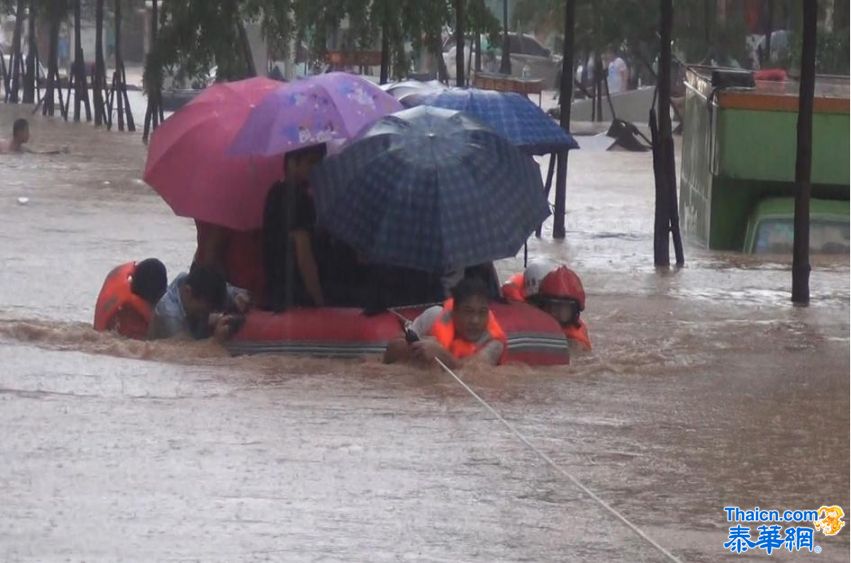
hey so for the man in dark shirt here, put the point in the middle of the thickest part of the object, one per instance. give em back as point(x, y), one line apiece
point(292, 275)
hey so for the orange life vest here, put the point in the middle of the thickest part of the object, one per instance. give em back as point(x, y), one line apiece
point(118, 308)
point(444, 331)
point(515, 288)
point(579, 334)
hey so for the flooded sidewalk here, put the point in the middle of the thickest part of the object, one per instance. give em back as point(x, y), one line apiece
point(706, 388)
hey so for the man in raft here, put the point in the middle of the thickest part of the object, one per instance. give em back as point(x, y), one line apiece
point(556, 290)
point(128, 296)
point(194, 305)
point(461, 331)
point(289, 220)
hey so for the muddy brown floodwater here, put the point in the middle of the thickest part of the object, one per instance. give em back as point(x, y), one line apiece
point(706, 388)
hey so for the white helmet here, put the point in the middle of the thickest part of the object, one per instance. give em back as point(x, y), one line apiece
point(535, 273)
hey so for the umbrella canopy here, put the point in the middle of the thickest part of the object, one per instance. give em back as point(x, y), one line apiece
point(430, 189)
point(510, 114)
point(400, 89)
point(315, 110)
point(189, 167)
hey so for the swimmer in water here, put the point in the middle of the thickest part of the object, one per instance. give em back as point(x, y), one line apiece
point(20, 137)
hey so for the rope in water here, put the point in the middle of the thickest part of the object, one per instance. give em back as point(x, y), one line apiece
point(559, 469)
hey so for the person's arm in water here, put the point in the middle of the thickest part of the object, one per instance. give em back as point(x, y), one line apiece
point(307, 266)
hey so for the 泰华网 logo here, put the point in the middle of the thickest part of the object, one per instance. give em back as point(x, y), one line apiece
point(830, 520)
point(772, 530)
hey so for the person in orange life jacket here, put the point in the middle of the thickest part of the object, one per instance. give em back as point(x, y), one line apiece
point(194, 306)
point(462, 330)
point(129, 293)
point(556, 290)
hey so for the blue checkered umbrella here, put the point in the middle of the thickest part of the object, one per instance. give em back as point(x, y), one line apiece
point(512, 115)
point(430, 189)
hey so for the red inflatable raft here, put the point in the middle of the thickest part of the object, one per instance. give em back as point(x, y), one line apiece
point(533, 337)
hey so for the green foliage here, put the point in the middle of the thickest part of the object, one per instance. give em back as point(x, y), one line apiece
point(196, 35)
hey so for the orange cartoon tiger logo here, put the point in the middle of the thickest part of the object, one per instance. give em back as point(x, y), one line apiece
point(830, 520)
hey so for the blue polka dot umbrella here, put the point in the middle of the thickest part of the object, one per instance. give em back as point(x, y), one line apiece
point(430, 189)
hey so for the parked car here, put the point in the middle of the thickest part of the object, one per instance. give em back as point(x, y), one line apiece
point(771, 227)
point(529, 58)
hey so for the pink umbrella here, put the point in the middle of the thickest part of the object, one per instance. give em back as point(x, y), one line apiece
point(189, 167)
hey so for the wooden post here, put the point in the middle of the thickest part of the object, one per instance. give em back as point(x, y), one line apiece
point(505, 63)
point(459, 43)
point(565, 97)
point(803, 160)
point(30, 78)
point(99, 78)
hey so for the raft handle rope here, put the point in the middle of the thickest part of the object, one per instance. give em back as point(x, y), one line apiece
point(558, 468)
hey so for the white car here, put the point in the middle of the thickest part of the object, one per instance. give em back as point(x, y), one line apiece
point(529, 59)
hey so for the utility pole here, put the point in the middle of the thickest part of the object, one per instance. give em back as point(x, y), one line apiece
point(804, 157)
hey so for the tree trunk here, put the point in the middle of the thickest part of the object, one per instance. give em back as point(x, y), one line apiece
point(385, 53)
point(803, 160)
point(31, 74)
point(49, 105)
point(769, 23)
point(840, 15)
point(119, 79)
point(505, 63)
point(250, 68)
point(478, 47)
point(15, 70)
point(459, 43)
point(565, 98)
point(437, 52)
point(81, 91)
point(661, 250)
point(99, 80)
point(152, 113)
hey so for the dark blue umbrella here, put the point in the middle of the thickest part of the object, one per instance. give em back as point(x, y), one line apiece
point(513, 116)
point(430, 189)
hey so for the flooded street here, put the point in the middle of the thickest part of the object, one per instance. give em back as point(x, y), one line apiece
point(706, 388)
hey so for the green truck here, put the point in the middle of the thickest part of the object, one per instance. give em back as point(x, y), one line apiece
point(738, 161)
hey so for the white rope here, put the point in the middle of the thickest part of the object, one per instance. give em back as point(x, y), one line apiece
point(564, 472)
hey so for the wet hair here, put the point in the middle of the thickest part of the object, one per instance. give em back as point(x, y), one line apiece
point(208, 285)
point(20, 125)
point(321, 150)
point(149, 280)
point(468, 288)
